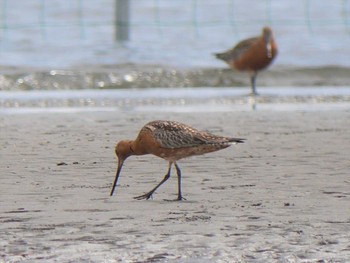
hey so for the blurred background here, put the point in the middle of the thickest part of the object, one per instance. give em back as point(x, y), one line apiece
point(66, 33)
point(108, 44)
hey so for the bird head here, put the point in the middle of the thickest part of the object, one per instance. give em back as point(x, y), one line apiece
point(267, 34)
point(123, 150)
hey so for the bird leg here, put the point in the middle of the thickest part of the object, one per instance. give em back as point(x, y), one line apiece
point(253, 83)
point(178, 171)
point(150, 193)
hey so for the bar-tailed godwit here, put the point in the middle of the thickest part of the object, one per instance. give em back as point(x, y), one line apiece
point(171, 141)
point(252, 55)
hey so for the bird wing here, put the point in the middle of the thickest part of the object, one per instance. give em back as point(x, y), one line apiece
point(238, 50)
point(176, 135)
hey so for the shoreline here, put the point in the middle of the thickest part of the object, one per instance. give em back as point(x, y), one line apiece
point(151, 76)
point(176, 100)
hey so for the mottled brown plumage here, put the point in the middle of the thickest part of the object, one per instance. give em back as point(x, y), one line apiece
point(171, 141)
point(252, 55)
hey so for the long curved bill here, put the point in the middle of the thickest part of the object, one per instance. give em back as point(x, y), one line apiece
point(120, 164)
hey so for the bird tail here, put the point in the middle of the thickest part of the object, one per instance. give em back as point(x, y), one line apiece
point(222, 56)
point(236, 140)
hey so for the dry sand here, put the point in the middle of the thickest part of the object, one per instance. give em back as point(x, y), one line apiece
point(283, 196)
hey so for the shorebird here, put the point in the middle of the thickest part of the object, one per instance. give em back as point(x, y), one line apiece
point(171, 141)
point(252, 55)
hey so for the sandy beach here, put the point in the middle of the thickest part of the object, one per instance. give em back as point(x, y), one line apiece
point(283, 196)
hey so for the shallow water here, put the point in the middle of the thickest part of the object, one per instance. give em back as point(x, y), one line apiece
point(61, 34)
point(177, 100)
point(70, 46)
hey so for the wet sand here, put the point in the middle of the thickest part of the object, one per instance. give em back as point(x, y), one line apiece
point(283, 196)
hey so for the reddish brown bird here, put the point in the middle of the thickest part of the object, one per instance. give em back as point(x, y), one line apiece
point(171, 141)
point(252, 55)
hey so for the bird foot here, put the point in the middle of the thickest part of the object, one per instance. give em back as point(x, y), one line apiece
point(179, 198)
point(253, 94)
point(144, 197)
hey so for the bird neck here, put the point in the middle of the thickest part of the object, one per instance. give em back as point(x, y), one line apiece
point(136, 148)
